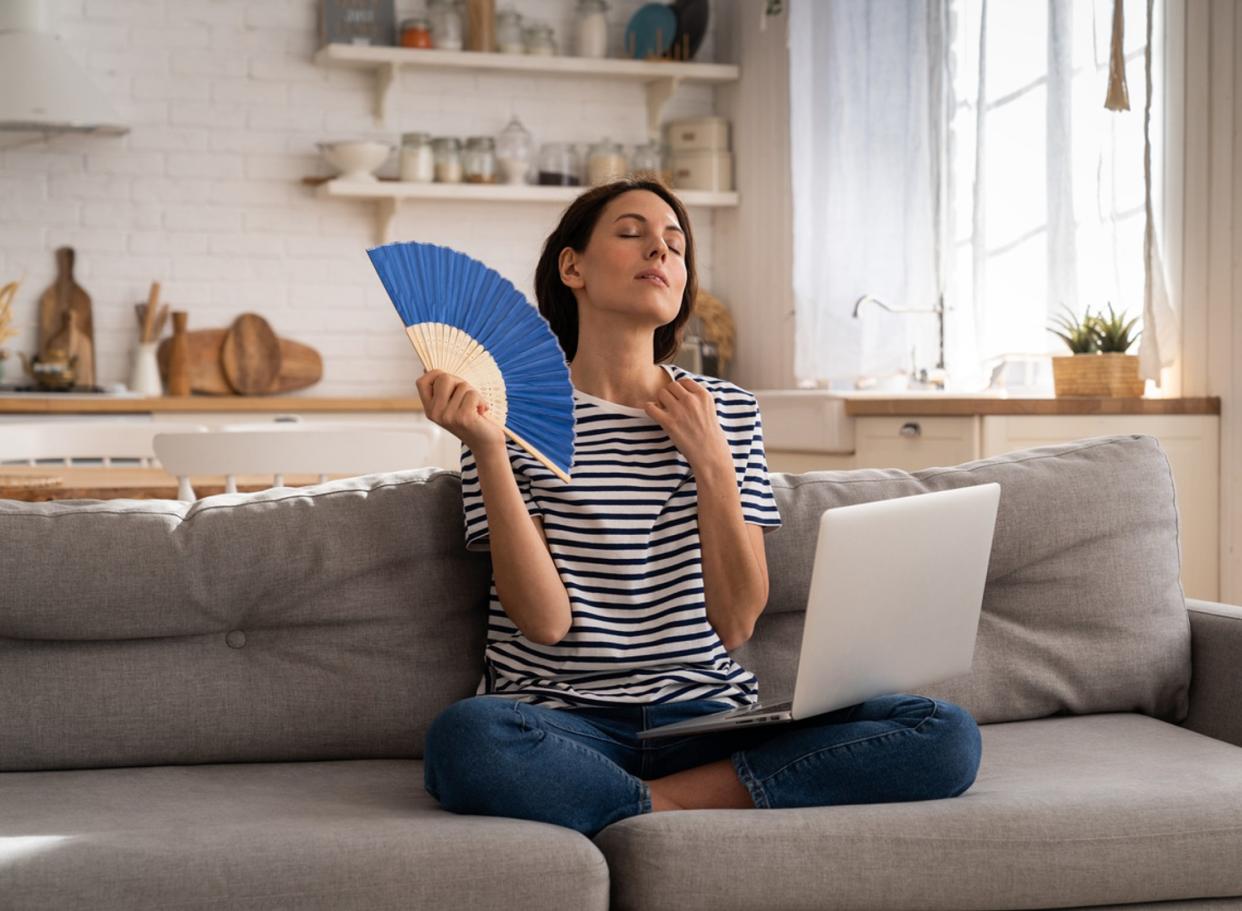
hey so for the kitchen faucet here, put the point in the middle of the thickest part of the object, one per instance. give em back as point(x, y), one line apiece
point(938, 310)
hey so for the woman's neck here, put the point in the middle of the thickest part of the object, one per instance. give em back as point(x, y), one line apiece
point(613, 379)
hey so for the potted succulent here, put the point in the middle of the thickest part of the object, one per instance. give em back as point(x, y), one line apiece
point(1098, 364)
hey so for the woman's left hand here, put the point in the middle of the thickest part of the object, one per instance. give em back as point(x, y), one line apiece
point(687, 411)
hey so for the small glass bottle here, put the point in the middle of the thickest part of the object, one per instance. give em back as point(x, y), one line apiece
point(446, 24)
point(479, 160)
point(558, 165)
point(509, 32)
point(416, 32)
point(417, 158)
point(447, 159)
point(539, 40)
point(591, 29)
point(605, 163)
point(514, 146)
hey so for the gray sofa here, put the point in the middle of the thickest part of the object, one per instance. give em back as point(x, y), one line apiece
point(222, 705)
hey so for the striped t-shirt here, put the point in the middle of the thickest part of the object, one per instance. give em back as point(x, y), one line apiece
point(624, 537)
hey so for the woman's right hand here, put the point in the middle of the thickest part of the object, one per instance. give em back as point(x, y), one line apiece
point(458, 407)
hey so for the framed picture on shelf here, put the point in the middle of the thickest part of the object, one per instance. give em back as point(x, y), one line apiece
point(357, 22)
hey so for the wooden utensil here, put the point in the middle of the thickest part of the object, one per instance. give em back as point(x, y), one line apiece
point(250, 356)
point(301, 365)
point(148, 313)
point(158, 330)
point(178, 382)
point(65, 294)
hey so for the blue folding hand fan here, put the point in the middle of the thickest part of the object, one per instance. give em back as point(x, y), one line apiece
point(469, 320)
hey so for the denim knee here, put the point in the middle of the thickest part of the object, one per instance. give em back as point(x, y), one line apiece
point(458, 739)
point(958, 746)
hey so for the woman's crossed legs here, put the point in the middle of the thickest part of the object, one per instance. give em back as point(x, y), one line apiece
point(584, 767)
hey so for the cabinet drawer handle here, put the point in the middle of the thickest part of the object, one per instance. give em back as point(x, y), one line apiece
point(911, 429)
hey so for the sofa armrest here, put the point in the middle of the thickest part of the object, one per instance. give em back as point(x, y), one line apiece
point(1215, 670)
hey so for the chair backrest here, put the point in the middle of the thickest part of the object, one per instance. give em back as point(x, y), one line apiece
point(349, 450)
point(24, 442)
point(445, 449)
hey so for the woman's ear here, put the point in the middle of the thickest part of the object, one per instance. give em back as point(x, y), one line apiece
point(567, 264)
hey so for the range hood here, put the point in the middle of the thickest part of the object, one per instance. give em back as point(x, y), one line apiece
point(42, 88)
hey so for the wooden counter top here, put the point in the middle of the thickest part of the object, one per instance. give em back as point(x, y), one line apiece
point(86, 403)
point(855, 406)
point(950, 405)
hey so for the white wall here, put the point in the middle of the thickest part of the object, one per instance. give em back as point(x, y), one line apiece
point(205, 194)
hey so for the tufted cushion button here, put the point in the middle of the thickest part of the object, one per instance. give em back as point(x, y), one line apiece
point(236, 639)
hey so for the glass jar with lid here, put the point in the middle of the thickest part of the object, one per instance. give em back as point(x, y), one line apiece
point(591, 29)
point(447, 154)
point(479, 160)
point(558, 165)
point(514, 148)
point(606, 162)
point(417, 158)
point(447, 29)
point(540, 40)
point(509, 38)
point(416, 32)
point(648, 161)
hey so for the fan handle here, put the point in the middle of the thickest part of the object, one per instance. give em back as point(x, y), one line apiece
point(533, 451)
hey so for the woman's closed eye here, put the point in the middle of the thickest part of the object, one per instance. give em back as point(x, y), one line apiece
point(670, 246)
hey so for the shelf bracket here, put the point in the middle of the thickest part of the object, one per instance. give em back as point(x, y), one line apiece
point(386, 219)
point(385, 78)
point(659, 91)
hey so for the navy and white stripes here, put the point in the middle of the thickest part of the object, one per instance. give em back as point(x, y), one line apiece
point(624, 536)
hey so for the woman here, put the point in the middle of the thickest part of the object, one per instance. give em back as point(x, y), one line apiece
point(617, 598)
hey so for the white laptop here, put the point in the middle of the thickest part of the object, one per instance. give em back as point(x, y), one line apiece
point(896, 591)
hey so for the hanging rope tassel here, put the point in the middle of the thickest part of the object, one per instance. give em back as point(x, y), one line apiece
point(1118, 98)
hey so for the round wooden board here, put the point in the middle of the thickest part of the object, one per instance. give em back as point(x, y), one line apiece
point(250, 356)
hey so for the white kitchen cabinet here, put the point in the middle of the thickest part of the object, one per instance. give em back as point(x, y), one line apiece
point(1192, 444)
point(798, 462)
point(913, 442)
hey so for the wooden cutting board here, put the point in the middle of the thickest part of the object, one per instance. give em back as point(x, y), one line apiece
point(66, 294)
point(250, 355)
point(300, 365)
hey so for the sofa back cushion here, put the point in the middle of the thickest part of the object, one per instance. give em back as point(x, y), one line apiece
point(1083, 609)
point(336, 621)
point(330, 622)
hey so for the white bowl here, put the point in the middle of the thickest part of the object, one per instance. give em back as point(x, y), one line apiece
point(356, 160)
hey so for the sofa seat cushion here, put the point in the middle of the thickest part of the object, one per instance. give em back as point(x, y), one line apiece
point(308, 835)
point(1065, 811)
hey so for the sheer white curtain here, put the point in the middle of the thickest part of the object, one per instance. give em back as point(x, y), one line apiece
point(961, 148)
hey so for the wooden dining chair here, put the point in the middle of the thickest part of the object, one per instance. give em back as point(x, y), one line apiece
point(72, 442)
point(340, 450)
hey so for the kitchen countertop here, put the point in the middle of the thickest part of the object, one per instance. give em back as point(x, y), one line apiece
point(874, 404)
point(103, 403)
point(856, 404)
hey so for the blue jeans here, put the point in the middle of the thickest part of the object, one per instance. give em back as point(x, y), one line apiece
point(583, 767)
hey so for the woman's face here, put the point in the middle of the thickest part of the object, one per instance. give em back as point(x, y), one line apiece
point(636, 233)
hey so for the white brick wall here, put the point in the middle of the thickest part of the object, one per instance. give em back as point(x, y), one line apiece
point(204, 193)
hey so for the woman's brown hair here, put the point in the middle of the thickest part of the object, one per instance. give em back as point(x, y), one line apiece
point(557, 302)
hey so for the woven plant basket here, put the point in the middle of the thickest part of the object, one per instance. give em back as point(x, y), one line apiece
point(1112, 374)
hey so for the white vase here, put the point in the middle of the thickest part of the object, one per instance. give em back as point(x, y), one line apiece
point(144, 376)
